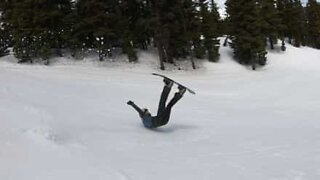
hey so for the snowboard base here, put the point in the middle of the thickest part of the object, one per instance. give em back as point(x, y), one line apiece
point(179, 84)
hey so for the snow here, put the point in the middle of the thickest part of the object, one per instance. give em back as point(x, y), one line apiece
point(222, 11)
point(70, 120)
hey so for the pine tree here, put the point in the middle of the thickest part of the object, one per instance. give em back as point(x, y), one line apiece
point(95, 26)
point(179, 30)
point(164, 19)
point(209, 24)
point(270, 21)
point(50, 22)
point(37, 27)
point(58, 13)
point(159, 33)
point(138, 17)
point(4, 32)
point(178, 45)
point(3, 42)
point(248, 41)
point(131, 33)
point(313, 23)
point(172, 22)
point(20, 17)
point(283, 16)
point(191, 33)
point(297, 24)
point(293, 21)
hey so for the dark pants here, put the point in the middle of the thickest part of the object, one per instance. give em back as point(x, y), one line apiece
point(164, 111)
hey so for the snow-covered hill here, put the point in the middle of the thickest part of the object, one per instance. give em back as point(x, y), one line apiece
point(71, 122)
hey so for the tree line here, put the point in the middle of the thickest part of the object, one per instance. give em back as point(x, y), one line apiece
point(255, 24)
point(180, 29)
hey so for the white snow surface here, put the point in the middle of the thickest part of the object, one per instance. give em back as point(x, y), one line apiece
point(70, 121)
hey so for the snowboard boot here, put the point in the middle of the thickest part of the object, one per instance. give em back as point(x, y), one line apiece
point(168, 83)
point(182, 90)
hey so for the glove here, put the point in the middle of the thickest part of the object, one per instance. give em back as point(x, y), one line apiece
point(130, 103)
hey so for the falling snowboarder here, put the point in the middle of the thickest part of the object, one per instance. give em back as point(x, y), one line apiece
point(163, 115)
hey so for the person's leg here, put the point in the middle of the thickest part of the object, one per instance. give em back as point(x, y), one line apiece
point(164, 117)
point(164, 96)
point(177, 96)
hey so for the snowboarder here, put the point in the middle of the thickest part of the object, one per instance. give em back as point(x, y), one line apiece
point(164, 111)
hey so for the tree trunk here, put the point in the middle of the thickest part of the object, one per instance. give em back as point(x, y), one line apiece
point(283, 45)
point(271, 43)
point(191, 58)
point(161, 51)
point(225, 43)
point(158, 34)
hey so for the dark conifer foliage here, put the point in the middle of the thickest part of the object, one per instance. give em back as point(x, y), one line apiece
point(210, 28)
point(191, 32)
point(24, 32)
point(4, 34)
point(167, 19)
point(293, 21)
point(139, 14)
point(297, 24)
point(134, 29)
point(248, 41)
point(4, 42)
point(283, 7)
point(40, 29)
point(37, 27)
point(95, 26)
point(271, 22)
point(283, 16)
point(183, 28)
point(313, 23)
point(171, 21)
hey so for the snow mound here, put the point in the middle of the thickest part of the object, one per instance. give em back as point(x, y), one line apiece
point(41, 135)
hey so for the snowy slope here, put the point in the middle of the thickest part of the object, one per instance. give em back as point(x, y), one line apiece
point(71, 122)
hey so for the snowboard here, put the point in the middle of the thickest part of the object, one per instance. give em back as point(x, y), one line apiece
point(177, 83)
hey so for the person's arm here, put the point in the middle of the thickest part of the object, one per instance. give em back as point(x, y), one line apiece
point(137, 108)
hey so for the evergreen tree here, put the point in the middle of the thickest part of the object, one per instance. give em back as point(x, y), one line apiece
point(159, 32)
point(95, 26)
point(4, 42)
point(177, 30)
point(104, 25)
point(283, 16)
point(138, 17)
point(270, 20)
point(169, 20)
point(172, 22)
point(293, 21)
point(178, 46)
point(130, 14)
point(313, 23)
point(247, 38)
point(37, 27)
point(191, 32)
point(20, 17)
point(58, 13)
point(297, 23)
point(209, 24)
point(4, 34)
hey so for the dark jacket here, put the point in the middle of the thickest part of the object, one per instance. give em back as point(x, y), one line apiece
point(154, 121)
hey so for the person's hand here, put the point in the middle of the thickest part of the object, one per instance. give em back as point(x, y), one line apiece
point(130, 103)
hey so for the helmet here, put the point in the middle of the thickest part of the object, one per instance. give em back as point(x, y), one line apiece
point(146, 111)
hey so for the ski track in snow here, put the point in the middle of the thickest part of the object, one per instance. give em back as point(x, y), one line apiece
point(71, 121)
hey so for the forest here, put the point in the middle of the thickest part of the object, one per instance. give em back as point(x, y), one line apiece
point(37, 30)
